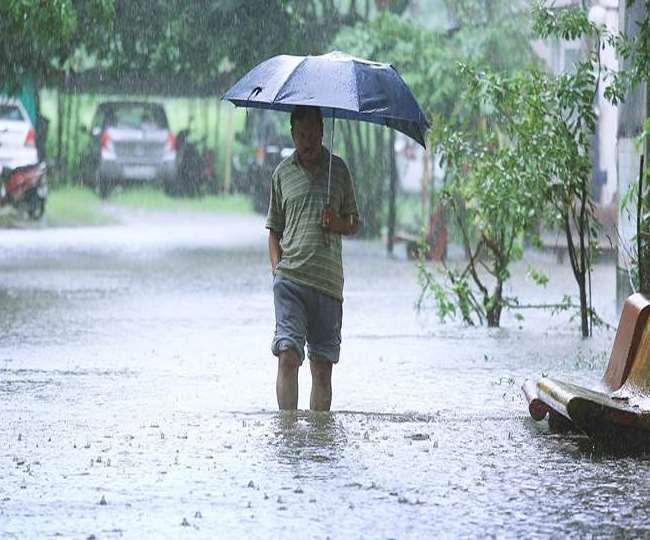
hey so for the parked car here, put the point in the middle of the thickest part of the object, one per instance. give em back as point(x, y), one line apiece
point(130, 143)
point(17, 135)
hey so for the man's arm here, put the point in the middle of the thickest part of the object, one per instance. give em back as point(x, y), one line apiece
point(275, 251)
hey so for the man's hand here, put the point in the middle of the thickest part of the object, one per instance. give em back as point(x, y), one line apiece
point(332, 222)
point(275, 251)
point(326, 217)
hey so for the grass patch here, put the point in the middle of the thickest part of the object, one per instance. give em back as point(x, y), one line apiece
point(152, 199)
point(74, 206)
point(77, 206)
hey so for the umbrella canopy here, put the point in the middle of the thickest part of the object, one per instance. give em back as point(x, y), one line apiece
point(341, 85)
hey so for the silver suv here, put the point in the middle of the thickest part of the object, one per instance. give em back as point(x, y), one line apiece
point(130, 143)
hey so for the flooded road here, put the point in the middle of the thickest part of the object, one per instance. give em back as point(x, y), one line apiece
point(138, 400)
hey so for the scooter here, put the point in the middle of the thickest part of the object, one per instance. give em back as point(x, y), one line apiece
point(25, 188)
point(195, 174)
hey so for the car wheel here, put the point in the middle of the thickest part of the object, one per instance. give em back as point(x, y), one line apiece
point(169, 187)
point(102, 186)
point(35, 207)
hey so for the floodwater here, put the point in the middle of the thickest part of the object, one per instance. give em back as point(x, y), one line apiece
point(137, 398)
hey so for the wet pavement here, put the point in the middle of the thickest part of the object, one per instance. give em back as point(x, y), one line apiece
point(137, 393)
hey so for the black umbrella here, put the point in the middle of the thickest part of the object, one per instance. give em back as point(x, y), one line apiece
point(341, 85)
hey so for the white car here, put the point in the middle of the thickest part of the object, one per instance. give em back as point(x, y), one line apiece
point(17, 135)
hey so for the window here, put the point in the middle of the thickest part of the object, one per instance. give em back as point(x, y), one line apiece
point(136, 116)
point(10, 112)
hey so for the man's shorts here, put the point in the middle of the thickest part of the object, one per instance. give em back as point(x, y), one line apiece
point(304, 314)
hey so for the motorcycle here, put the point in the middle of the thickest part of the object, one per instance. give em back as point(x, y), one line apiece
point(194, 169)
point(25, 188)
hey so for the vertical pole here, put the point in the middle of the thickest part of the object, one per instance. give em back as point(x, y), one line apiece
point(68, 134)
point(205, 112)
point(392, 211)
point(217, 124)
point(59, 129)
point(217, 148)
point(426, 199)
point(643, 224)
point(639, 223)
point(75, 137)
point(227, 170)
point(630, 126)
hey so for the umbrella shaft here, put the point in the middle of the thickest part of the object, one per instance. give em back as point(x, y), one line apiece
point(329, 174)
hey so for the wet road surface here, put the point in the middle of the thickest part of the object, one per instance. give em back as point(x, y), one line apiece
point(137, 394)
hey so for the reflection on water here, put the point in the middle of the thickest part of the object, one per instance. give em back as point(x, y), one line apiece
point(308, 436)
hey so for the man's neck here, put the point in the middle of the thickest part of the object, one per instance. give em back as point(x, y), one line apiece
point(311, 165)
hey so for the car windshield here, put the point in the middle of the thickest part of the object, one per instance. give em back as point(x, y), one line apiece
point(136, 116)
point(10, 112)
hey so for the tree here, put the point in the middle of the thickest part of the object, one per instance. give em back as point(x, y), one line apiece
point(536, 137)
point(205, 45)
point(493, 193)
point(39, 38)
point(427, 60)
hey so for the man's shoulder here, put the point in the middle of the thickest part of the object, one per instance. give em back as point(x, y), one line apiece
point(286, 165)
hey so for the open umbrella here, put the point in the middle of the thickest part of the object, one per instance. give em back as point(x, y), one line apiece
point(341, 85)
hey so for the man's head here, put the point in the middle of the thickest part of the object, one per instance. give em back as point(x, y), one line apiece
point(307, 133)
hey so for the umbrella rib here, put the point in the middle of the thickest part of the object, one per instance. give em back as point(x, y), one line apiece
point(356, 82)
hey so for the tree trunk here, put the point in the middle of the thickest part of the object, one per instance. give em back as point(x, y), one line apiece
point(205, 113)
point(227, 169)
point(392, 195)
point(217, 125)
point(67, 136)
point(584, 312)
point(577, 258)
point(75, 138)
point(493, 312)
point(59, 129)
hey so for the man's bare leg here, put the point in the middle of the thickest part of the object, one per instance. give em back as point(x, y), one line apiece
point(286, 386)
point(321, 385)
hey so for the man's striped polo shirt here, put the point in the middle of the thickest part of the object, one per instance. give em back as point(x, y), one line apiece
point(298, 195)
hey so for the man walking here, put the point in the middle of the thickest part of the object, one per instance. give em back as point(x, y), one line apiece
point(305, 251)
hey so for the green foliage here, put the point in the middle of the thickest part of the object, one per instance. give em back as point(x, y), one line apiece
point(147, 198)
point(528, 160)
point(538, 277)
point(40, 37)
point(635, 205)
point(427, 60)
point(568, 24)
point(167, 39)
point(493, 193)
point(220, 40)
